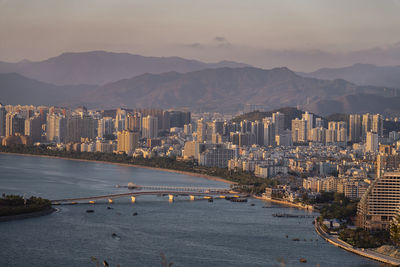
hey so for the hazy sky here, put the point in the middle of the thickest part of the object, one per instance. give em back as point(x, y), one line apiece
point(300, 34)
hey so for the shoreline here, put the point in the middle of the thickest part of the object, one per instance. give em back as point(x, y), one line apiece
point(23, 216)
point(367, 253)
point(285, 203)
point(208, 177)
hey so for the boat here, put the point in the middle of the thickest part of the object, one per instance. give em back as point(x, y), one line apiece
point(89, 211)
point(303, 260)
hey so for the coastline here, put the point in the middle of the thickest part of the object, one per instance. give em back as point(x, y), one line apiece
point(208, 177)
point(362, 252)
point(285, 203)
point(27, 215)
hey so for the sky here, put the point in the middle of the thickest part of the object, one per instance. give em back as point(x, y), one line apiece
point(303, 35)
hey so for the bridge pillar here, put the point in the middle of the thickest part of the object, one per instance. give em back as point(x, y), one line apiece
point(110, 200)
point(171, 198)
point(133, 199)
point(191, 197)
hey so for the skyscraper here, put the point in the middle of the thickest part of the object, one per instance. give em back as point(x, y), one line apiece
point(355, 128)
point(309, 118)
point(269, 133)
point(279, 120)
point(299, 130)
point(149, 127)
point(56, 128)
point(201, 131)
point(366, 124)
point(15, 124)
point(371, 143)
point(377, 124)
point(105, 127)
point(33, 128)
point(80, 126)
point(127, 141)
point(134, 122)
point(3, 113)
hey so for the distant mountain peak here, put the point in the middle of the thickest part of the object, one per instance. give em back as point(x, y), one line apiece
point(100, 67)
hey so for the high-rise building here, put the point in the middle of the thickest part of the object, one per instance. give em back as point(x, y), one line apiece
point(149, 127)
point(309, 118)
point(338, 128)
point(366, 124)
point(257, 129)
point(269, 133)
point(120, 118)
point(380, 202)
point(134, 122)
point(80, 126)
point(179, 118)
point(371, 143)
point(299, 130)
point(3, 113)
point(318, 135)
point(218, 156)
point(279, 120)
point(319, 122)
point(105, 127)
point(127, 141)
point(201, 131)
point(56, 127)
point(355, 128)
point(15, 124)
point(377, 124)
point(33, 128)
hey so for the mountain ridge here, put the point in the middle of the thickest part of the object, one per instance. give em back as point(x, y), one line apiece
point(101, 67)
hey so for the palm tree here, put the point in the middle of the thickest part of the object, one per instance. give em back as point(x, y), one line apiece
point(395, 230)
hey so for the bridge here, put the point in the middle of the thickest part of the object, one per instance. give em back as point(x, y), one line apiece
point(192, 192)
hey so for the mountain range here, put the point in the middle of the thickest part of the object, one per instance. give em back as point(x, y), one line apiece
point(361, 74)
point(212, 88)
point(100, 67)
point(221, 89)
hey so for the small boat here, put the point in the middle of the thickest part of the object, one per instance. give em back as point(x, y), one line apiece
point(109, 208)
point(252, 204)
point(115, 236)
point(135, 214)
point(89, 211)
point(303, 260)
point(210, 200)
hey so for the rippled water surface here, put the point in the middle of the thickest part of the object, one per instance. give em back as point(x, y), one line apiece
point(189, 233)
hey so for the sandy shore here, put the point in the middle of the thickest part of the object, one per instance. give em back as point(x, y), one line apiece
point(208, 177)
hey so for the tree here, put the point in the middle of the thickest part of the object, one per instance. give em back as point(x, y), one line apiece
point(395, 230)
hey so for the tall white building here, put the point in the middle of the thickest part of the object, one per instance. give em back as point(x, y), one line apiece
point(56, 128)
point(150, 127)
point(371, 143)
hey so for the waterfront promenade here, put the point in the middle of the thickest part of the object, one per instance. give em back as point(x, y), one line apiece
point(368, 253)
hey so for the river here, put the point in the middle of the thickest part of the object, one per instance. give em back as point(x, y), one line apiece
point(189, 233)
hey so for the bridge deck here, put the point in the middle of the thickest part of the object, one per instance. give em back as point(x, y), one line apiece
point(141, 193)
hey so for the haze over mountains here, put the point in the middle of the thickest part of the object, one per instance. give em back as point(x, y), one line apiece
point(361, 74)
point(211, 88)
point(99, 67)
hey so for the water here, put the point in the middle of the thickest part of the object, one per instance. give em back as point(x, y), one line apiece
point(189, 233)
